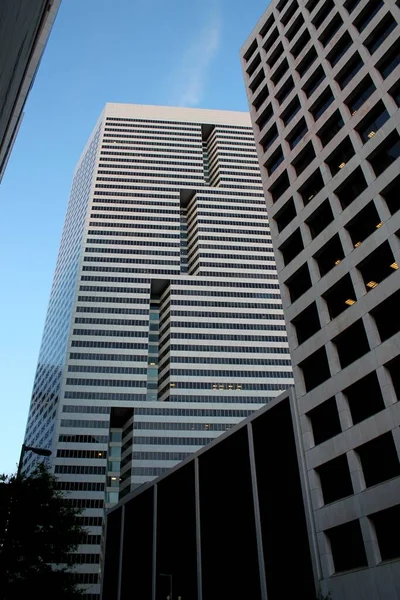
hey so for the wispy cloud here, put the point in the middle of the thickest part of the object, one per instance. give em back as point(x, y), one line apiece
point(196, 61)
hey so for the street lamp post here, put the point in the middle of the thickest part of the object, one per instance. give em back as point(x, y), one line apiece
point(170, 583)
point(24, 448)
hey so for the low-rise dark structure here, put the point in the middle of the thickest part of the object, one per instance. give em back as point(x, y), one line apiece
point(229, 522)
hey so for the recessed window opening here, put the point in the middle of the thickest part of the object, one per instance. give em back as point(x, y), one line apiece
point(311, 187)
point(292, 247)
point(379, 459)
point(347, 546)
point(335, 479)
point(297, 133)
point(363, 224)
point(299, 283)
point(374, 120)
point(386, 316)
point(315, 369)
point(340, 156)
point(377, 266)
point(307, 323)
point(340, 296)
point(320, 219)
point(304, 158)
point(352, 343)
point(330, 255)
point(364, 398)
point(325, 421)
point(285, 215)
point(351, 188)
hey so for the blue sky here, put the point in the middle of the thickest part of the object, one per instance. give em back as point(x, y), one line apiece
point(178, 52)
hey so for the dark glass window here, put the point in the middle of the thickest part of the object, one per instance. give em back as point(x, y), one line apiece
point(386, 153)
point(314, 82)
point(351, 188)
point(300, 44)
point(333, 125)
point(253, 65)
point(290, 111)
point(320, 219)
point(275, 55)
point(380, 33)
point(362, 92)
point(285, 215)
point(389, 61)
point(340, 156)
point(331, 30)
point(347, 546)
point(395, 93)
point(285, 90)
point(304, 158)
point(297, 133)
point(261, 96)
point(320, 106)
point(349, 71)
point(269, 138)
point(374, 120)
point(271, 39)
point(295, 27)
point(274, 161)
point(339, 49)
point(306, 62)
point(279, 72)
point(367, 14)
point(311, 187)
point(323, 12)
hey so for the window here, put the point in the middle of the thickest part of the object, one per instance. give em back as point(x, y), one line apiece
point(261, 97)
point(320, 105)
point(350, 5)
point(249, 53)
point(391, 195)
point(285, 90)
point(304, 158)
point(279, 187)
point(349, 71)
point(306, 62)
point(385, 154)
point(274, 161)
point(320, 219)
point(340, 296)
point(351, 188)
point(352, 343)
point(333, 125)
point(395, 93)
point(269, 138)
point(331, 30)
point(300, 44)
point(389, 61)
point(311, 187)
point(367, 14)
point(295, 27)
point(290, 111)
point(377, 266)
point(347, 546)
point(360, 95)
point(323, 12)
point(299, 283)
point(394, 370)
point(275, 55)
point(289, 13)
point(292, 247)
point(374, 120)
point(297, 133)
point(311, 4)
point(253, 65)
point(285, 215)
point(325, 421)
point(314, 82)
point(385, 316)
point(379, 459)
point(364, 398)
point(307, 323)
point(255, 84)
point(335, 479)
point(267, 25)
point(339, 49)
point(363, 224)
point(340, 156)
point(271, 39)
point(330, 255)
point(384, 523)
point(380, 33)
point(279, 72)
point(315, 369)
point(264, 117)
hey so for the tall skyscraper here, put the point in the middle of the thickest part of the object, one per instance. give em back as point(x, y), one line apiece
point(165, 325)
point(323, 84)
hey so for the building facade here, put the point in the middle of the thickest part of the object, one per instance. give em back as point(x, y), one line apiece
point(323, 85)
point(165, 325)
point(24, 30)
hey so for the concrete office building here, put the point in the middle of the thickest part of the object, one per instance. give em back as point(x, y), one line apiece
point(323, 88)
point(25, 26)
point(165, 325)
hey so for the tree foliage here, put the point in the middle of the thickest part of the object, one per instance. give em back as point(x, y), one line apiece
point(38, 531)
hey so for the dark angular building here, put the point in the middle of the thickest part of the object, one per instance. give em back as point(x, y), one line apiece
point(229, 522)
